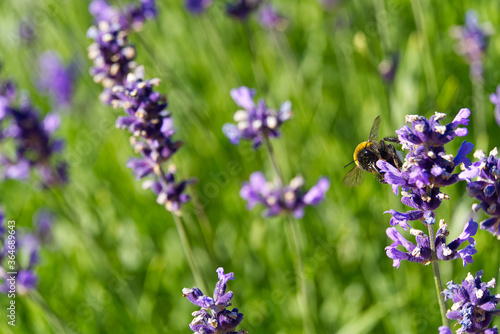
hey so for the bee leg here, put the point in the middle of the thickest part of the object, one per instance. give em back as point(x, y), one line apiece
point(391, 139)
point(395, 156)
point(381, 178)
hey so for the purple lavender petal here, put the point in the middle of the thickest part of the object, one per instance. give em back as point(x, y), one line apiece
point(400, 218)
point(444, 330)
point(51, 122)
point(232, 133)
point(243, 96)
point(55, 79)
point(198, 6)
point(270, 18)
point(462, 153)
point(317, 193)
point(26, 279)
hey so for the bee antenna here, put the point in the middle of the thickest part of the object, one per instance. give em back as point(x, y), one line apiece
point(350, 163)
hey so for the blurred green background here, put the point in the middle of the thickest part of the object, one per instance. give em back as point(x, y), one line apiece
point(116, 263)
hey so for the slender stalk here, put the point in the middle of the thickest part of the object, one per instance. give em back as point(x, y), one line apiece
point(296, 250)
point(258, 72)
point(382, 25)
point(302, 296)
point(437, 275)
point(181, 231)
point(430, 73)
point(479, 112)
point(435, 269)
point(189, 253)
point(272, 157)
point(55, 322)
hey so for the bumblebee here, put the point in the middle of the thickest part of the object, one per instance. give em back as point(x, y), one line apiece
point(368, 153)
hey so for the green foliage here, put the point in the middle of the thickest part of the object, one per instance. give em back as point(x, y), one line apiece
point(116, 263)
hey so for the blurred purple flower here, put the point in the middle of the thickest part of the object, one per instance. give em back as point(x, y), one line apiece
point(241, 9)
point(472, 41)
point(27, 31)
point(214, 317)
point(255, 122)
point(198, 6)
point(132, 17)
point(421, 252)
point(485, 188)
point(289, 199)
point(25, 247)
point(32, 138)
point(473, 304)
point(388, 67)
point(270, 18)
point(43, 225)
point(495, 99)
point(444, 330)
point(55, 79)
point(329, 4)
point(26, 280)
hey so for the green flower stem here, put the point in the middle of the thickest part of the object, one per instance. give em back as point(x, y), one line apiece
point(437, 275)
point(188, 252)
point(186, 247)
point(296, 250)
point(308, 323)
point(272, 157)
point(479, 113)
point(54, 322)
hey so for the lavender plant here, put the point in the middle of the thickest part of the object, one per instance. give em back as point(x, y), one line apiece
point(146, 116)
point(282, 200)
point(473, 305)
point(270, 18)
point(472, 41)
point(255, 122)
point(34, 148)
point(55, 79)
point(495, 99)
point(259, 124)
point(241, 10)
point(426, 170)
point(483, 183)
point(214, 315)
point(20, 254)
point(197, 6)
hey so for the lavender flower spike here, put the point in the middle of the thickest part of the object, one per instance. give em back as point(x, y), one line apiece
point(421, 252)
point(241, 9)
point(472, 41)
point(214, 317)
point(197, 6)
point(270, 18)
point(473, 304)
point(427, 167)
point(485, 188)
point(32, 138)
point(147, 118)
point(22, 246)
point(55, 79)
point(255, 121)
point(495, 99)
point(289, 199)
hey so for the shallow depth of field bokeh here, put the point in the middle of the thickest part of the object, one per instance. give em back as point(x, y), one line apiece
point(116, 263)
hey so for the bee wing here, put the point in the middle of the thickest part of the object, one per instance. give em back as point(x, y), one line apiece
point(354, 177)
point(374, 131)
